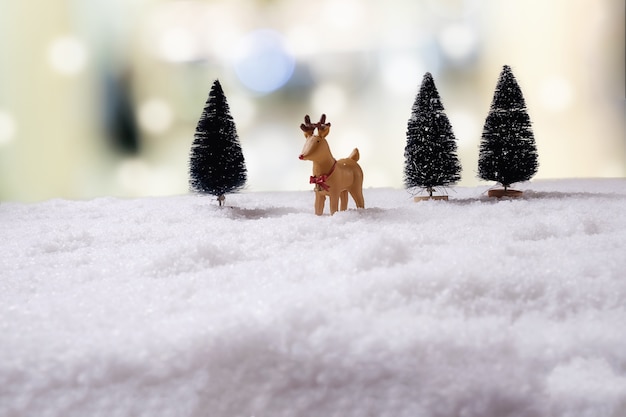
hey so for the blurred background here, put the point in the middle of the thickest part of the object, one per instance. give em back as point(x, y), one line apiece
point(101, 97)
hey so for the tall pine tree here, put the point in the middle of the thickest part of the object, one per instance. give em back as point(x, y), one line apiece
point(216, 164)
point(508, 153)
point(430, 153)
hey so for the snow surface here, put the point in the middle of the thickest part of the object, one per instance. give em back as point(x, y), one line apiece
point(175, 307)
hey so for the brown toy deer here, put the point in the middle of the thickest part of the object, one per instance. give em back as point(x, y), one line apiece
point(333, 178)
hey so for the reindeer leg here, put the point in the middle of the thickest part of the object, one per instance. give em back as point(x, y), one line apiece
point(343, 200)
point(334, 202)
point(320, 198)
point(357, 195)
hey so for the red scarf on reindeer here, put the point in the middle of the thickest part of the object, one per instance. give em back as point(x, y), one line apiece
point(321, 180)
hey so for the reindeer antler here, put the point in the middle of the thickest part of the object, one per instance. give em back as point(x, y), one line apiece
point(322, 126)
point(322, 123)
point(308, 127)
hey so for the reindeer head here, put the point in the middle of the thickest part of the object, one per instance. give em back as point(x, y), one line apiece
point(315, 146)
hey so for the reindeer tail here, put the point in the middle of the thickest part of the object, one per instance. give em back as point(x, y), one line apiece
point(354, 155)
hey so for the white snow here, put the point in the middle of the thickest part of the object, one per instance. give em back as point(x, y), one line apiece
point(175, 307)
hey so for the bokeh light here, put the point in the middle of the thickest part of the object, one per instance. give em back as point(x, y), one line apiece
point(342, 13)
point(155, 115)
point(262, 61)
point(177, 44)
point(67, 55)
point(8, 128)
point(458, 42)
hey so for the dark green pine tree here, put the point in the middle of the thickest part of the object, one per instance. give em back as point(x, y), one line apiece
point(430, 153)
point(508, 153)
point(216, 164)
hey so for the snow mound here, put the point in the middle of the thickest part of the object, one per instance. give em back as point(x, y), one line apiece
point(177, 307)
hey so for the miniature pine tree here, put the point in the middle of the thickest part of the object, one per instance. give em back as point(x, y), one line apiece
point(508, 153)
point(430, 152)
point(216, 165)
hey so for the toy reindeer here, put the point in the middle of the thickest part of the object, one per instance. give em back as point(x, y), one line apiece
point(333, 178)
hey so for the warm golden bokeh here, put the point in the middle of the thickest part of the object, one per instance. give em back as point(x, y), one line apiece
point(102, 97)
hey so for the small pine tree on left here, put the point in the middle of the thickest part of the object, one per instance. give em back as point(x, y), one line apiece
point(216, 164)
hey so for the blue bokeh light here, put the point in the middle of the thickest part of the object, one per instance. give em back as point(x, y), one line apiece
point(262, 62)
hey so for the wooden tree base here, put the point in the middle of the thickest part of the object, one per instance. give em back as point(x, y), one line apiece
point(499, 193)
point(428, 197)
